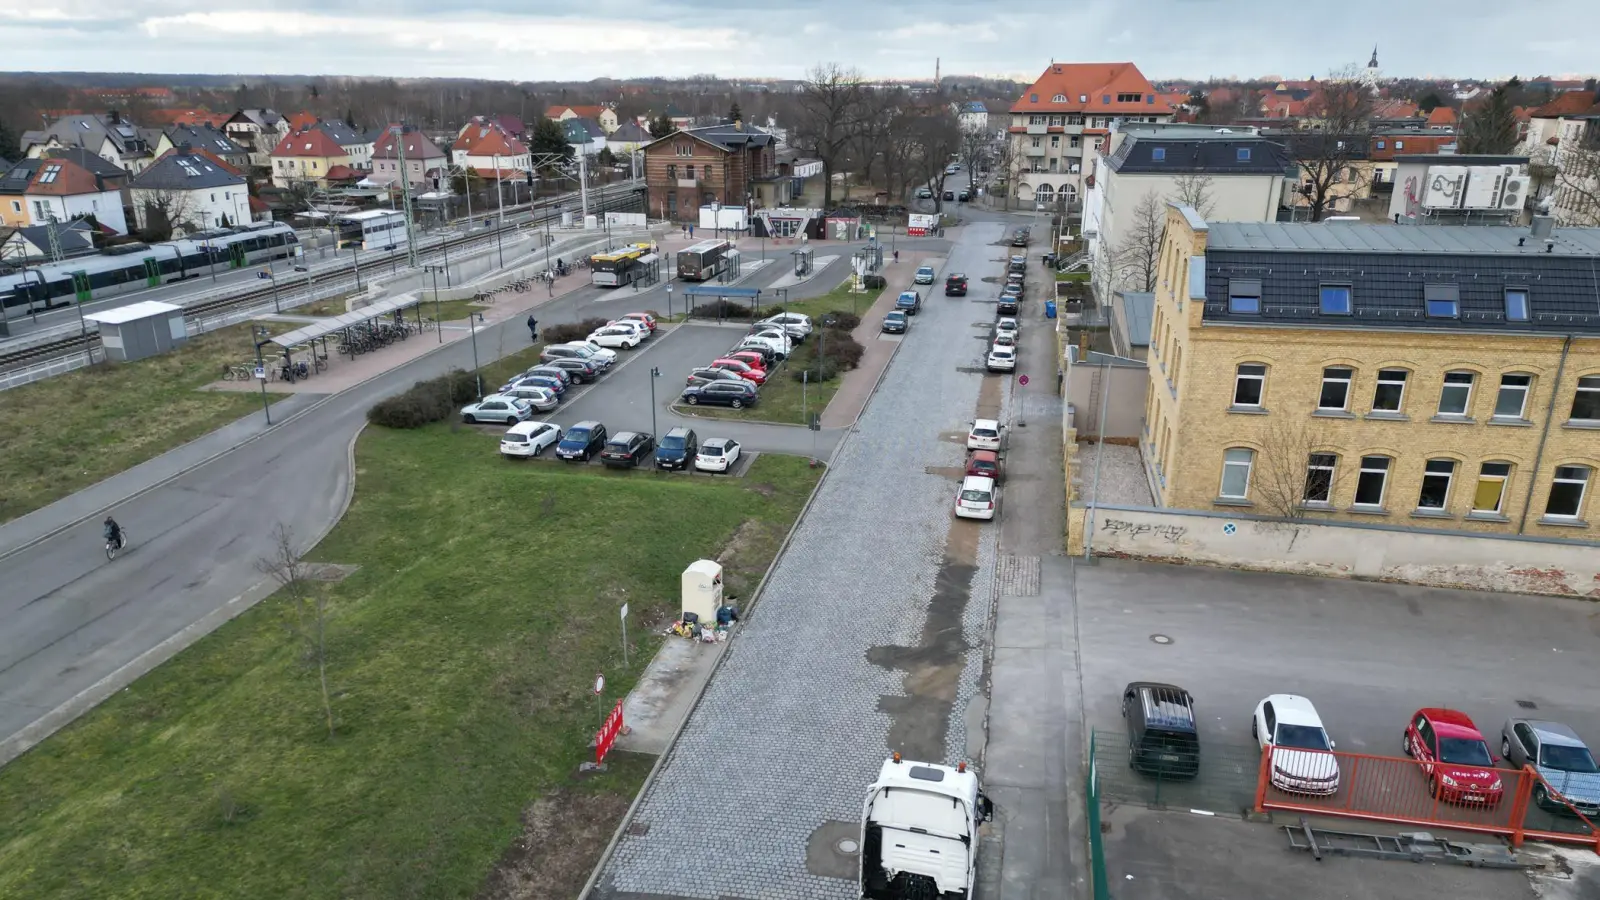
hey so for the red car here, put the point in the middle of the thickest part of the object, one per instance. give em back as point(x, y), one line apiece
point(742, 369)
point(1454, 756)
point(750, 358)
point(644, 317)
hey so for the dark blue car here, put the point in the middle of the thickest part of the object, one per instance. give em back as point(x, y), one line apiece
point(909, 301)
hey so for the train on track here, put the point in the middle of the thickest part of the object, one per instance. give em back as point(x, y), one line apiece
point(136, 267)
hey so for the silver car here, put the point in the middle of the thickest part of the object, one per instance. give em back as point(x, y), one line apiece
point(497, 408)
point(1560, 757)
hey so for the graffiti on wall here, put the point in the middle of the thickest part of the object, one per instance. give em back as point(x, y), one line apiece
point(1123, 528)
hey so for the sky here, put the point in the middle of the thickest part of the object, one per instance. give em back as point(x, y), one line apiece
point(890, 39)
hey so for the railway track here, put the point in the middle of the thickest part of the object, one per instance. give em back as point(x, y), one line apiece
point(79, 343)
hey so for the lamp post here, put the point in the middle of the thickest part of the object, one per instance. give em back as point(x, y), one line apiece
point(438, 313)
point(472, 322)
point(500, 221)
point(669, 302)
point(357, 250)
point(261, 364)
point(655, 372)
point(272, 277)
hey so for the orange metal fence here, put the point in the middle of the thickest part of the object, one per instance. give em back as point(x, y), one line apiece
point(1515, 803)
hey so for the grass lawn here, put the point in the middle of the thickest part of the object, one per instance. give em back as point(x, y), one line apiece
point(784, 399)
point(448, 310)
point(68, 432)
point(1079, 277)
point(462, 654)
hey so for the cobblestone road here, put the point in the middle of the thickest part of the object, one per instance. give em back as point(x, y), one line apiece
point(868, 638)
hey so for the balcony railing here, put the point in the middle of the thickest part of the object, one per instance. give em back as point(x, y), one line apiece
point(1036, 129)
point(1033, 151)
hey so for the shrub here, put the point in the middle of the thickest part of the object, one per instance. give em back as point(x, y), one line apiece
point(843, 321)
point(813, 370)
point(434, 400)
point(571, 331)
point(842, 350)
point(721, 309)
point(874, 282)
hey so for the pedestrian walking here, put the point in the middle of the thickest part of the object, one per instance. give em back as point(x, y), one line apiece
point(533, 327)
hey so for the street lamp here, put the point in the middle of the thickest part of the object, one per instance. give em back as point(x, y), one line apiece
point(500, 221)
point(669, 301)
point(655, 372)
point(438, 312)
point(472, 322)
point(271, 276)
point(356, 248)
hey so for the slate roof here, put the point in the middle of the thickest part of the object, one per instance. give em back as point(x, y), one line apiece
point(203, 136)
point(1138, 309)
point(73, 237)
point(577, 128)
point(730, 138)
point(1389, 268)
point(630, 133)
point(17, 177)
point(93, 162)
point(341, 133)
point(185, 172)
point(1146, 156)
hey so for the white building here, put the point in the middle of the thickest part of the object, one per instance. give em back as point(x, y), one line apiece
point(61, 190)
point(973, 115)
point(190, 192)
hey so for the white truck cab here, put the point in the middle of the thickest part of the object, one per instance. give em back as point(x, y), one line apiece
point(919, 832)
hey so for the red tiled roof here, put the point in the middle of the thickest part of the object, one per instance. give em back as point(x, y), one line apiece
point(1395, 109)
point(184, 117)
point(481, 138)
point(582, 112)
point(1442, 115)
point(311, 142)
point(300, 121)
point(342, 173)
point(63, 178)
point(1571, 103)
point(1090, 87)
point(258, 205)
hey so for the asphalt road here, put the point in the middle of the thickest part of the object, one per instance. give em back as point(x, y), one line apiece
point(72, 619)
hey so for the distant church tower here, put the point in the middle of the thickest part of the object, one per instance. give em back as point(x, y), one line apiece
point(1372, 74)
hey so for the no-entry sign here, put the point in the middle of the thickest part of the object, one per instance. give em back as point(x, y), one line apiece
point(1022, 380)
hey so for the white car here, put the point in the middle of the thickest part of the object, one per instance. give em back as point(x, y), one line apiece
point(717, 455)
point(1005, 324)
point(1302, 757)
point(1006, 339)
point(778, 345)
point(542, 399)
point(615, 336)
point(529, 438)
point(497, 408)
point(978, 498)
point(796, 324)
point(600, 354)
point(1001, 359)
point(984, 435)
point(638, 325)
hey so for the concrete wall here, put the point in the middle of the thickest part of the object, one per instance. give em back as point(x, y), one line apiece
point(1126, 381)
point(1429, 558)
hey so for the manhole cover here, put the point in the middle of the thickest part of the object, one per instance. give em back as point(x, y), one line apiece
point(1160, 639)
point(847, 846)
point(1527, 704)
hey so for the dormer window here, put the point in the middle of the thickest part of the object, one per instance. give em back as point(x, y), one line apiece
point(1033, 98)
point(1059, 98)
point(1083, 98)
point(1157, 154)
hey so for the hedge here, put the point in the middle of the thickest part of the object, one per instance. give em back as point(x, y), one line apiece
point(425, 402)
point(571, 331)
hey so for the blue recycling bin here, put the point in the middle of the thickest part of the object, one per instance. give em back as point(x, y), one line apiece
point(1049, 309)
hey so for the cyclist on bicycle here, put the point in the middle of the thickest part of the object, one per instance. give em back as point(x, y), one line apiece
point(113, 531)
point(561, 266)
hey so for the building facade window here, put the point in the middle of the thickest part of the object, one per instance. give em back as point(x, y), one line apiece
point(1319, 477)
point(1586, 401)
point(1566, 492)
point(1517, 305)
point(1335, 393)
point(1244, 296)
point(1334, 299)
point(1491, 492)
point(1391, 390)
point(1456, 395)
point(1236, 464)
point(1243, 154)
point(1436, 477)
point(672, 171)
point(1158, 154)
point(1443, 301)
point(1373, 479)
point(1249, 384)
point(1512, 400)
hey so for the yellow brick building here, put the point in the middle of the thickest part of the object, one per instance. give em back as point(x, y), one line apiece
point(1416, 376)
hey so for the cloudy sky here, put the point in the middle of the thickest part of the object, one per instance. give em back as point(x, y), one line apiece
point(564, 39)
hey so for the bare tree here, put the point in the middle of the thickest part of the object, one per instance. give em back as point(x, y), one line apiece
point(1138, 251)
point(974, 148)
point(308, 608)
point(1340, 115)
point(1007, 169)
point(936, 140)
point(162, 212)
point(1293, 474)
point(1194, 191)
point(829, 116)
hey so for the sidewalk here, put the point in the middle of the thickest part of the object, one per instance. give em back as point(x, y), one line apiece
point(860, 383)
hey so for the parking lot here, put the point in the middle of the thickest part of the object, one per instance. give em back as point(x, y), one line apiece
point(1368, 655)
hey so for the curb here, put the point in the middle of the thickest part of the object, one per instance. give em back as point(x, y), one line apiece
point(40, 729)
point(672, 743)
point(682, 409)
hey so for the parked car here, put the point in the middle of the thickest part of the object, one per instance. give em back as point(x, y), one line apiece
point(924, 193)
point(597, 353)
point(717, 455)
point(546, 382)
point(910, 302)
point(1005, 323)
point(542, 399)
point(581, 370)
point(978, 498)
point(582, 441)
point(1006, 339)
point(963, 195)
point(951, 169)
point(1019, 238)
point(950, 195)
point(773, 331)
point(769, 356)
point(627, 449)
point(708, 374)
point(624, 336)
point(496, 408)
point(1454, 757)
point(559, 374)
point(1289, 728)
point(924, 275)
point(526, 439)
point(751, 358)
point(1017, 264)
point(645, 318)
point(777, 346)
point(677, 448)
point(797, 325)
point(955, 285)
point(1561, 758)
point(554, 352)
point(1001, 359)
point(896, 322)
point(741, 369)
point(985, 464)
point(984, 435)
point(1007, 305)
point(1162, 736)
point(1014, 282)
point(736, 393)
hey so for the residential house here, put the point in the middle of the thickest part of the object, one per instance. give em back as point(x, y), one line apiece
point(512, 125)
point(1563, 146)
point(1387, 145)
point(213, 140)
point(258, 131)
point(423, 158)
point(109, 136)
point(1316, 151)
point(1236, 177)
point(13, 185)
point(62, 190)
point(41, 243)
point(1407, 376)
point(627, 140)
point(726, 164)
point(304, 158)
point(113, 176)
point(1457, 189)
point(357, 144)
point(677, 117)
point(585, 135)
point(302, 120)
point(1068, 111)
point(972, 115)
point(485, 147)
point(186, 191)
point(604, 114)
point(1442, 118)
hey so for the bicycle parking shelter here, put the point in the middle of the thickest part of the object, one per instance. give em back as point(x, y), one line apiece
point(712, 291)
point(394, 307)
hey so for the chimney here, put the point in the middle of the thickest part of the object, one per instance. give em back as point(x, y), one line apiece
point(738, 124)
point(1543, 221)
point(114, 117)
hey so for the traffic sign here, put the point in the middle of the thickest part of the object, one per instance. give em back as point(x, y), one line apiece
point(1022, 380)
point(261, 373)
point(599, 684)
